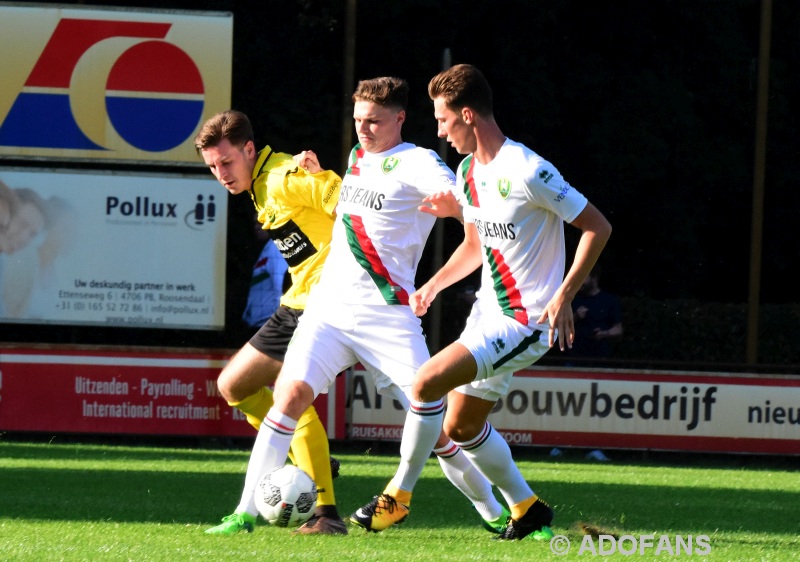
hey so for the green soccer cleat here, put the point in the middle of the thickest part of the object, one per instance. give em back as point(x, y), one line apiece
point(543, 534)
point(234, 523)
point(498, 525)
point(534, 523)
point(379, 514)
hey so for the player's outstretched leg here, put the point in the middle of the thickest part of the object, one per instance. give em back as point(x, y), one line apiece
point(254, 407)
point(470, 482)
point(309, 451)
point(529, 515)
point(422, 428)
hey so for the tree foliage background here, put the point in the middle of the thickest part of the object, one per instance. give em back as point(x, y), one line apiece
point(648, 108)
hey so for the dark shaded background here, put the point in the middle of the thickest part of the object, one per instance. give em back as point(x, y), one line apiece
point(647, 107)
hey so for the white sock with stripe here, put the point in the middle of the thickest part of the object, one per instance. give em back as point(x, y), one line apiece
point(269, 452)
point(421, 430)
point(491, 454)
point(468, 479)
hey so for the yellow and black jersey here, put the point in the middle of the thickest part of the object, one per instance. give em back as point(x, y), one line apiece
point(297, 208)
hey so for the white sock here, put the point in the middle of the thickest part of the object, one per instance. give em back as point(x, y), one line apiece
point(468, 479)
point(491, 454)
point(421, 430)
point(269, 452)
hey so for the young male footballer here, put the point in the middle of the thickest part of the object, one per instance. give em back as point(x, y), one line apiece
point(358, 312)
point(515, 204)
point(297, 208)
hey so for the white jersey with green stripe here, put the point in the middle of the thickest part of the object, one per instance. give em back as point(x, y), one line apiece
point(379, 233)
point(518, 203)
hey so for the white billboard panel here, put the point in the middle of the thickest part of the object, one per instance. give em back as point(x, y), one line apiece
point(112, 249)
point(659, 410)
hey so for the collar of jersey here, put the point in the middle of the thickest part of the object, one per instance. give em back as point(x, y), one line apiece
point(261, 162)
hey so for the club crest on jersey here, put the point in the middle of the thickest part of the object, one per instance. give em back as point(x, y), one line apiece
point(504, 187)
point(389, 163)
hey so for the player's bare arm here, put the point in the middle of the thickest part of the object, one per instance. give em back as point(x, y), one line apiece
point(558, 312)
point(464, 260)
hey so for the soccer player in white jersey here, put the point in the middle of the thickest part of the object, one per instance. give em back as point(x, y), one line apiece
point(515, 203)
point(358, 311)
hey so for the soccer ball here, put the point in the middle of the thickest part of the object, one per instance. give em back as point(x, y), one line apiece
point(286, 496)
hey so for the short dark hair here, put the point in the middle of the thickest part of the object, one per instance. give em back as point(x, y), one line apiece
point(461, 86)
point(232, 125)
point(386, 91)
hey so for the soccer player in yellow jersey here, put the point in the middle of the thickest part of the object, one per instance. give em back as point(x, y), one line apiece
point(297, 208)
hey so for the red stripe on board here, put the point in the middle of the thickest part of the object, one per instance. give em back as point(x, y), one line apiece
point(662, 376)
point(659, 442)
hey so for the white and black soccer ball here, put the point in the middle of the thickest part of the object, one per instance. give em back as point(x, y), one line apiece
point(286, 496)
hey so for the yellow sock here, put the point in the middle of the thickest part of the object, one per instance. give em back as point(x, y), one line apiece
point(255, 406)
point(521, 508)
point(311, 453)
point(402, 496)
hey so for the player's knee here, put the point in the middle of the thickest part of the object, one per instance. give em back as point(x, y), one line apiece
point(425, 391)
point(293, 398)
point(417, 388)
point(460, 432)
point(230, 388)
point(226, 390)
point(425, 387)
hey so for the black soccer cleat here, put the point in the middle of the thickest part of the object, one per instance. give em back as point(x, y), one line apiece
point(535, 522)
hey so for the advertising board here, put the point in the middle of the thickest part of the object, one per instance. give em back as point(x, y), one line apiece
point(134, 392)
point(114, 249)
point(110, 84)
point(655, 410)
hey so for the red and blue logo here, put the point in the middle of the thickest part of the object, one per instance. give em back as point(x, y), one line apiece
point(109, 85)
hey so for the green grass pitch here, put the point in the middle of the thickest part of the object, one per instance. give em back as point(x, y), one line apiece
point(79, 501)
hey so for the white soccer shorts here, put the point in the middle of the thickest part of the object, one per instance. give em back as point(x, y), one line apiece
point(501, 346)
point(331, 337)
